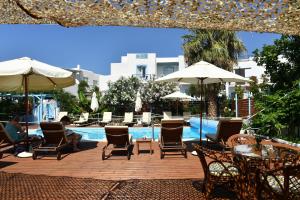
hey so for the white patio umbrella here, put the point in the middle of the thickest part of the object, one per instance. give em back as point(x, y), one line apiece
point(202, 73)
point(138, 102)
point(178, 96)
point(94, 102)
point(26, 74)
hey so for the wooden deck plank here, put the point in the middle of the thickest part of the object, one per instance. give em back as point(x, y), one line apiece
point(87, 163)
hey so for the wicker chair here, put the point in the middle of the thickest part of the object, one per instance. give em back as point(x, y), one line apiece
point(239, 139)
point(220, 171)
point(282, 183)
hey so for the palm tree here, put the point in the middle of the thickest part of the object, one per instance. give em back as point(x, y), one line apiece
point(219, 47)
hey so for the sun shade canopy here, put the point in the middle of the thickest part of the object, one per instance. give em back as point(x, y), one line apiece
point(178, 95)
point(281, 16)
point(41, 76)
point(209, 73)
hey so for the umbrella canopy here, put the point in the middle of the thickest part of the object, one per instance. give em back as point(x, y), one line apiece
point(202, 73)
point(40, 76)
point(26, 74)
point(178, 96)
point(138, 102)
point(94, 102)
point(205, 71)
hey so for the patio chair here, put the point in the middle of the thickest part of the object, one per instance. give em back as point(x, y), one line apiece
point(106, 118)
point(171, 137)
point(61, 115)
point(83, 119)
point(54, 139)
point(226, 128)
point(219, 171)
point(239, 139)
point(282, 183)
point(118, 139)
point(128, 119)
point(167, 115)
point(146, 119)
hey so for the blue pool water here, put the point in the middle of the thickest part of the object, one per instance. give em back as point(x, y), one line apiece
point(189, 133)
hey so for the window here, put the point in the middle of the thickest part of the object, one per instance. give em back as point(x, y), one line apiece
point(141, 56)
point(168, 70)
point(141, 70)
point(240, 72)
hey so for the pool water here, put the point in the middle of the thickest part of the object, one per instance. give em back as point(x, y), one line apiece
point(98, 134)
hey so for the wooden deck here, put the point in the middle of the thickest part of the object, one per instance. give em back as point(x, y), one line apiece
point(87, 163)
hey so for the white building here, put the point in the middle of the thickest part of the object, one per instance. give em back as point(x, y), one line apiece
point(145, 66)
point(247, 68)
point(81, 74)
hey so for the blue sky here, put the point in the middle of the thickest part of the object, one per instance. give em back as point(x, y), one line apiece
point(94, 48)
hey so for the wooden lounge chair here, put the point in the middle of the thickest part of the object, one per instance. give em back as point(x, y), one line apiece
point(167, 115)
point(61, 115)
point(146, 120)
point(118, 139)
point(106, 118)
point(171, 137)
point(128, 119)
point(83, 120)
point(226, 128)
point(54, 139)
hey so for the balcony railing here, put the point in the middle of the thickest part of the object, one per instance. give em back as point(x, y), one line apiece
point(145, 77)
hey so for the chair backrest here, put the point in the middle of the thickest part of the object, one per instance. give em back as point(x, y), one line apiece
point(61, 115)
point(4, 136)
point(107, 116)
point(239, 139)
point(84, 117)
point(128, 117)
point(117, 135)
point(54, 132)
point(167, 115)
point(171, 131)
point(186, 115)
point(146, 117)
point(228, 127)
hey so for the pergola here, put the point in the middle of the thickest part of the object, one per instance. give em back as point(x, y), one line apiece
point(279, 16)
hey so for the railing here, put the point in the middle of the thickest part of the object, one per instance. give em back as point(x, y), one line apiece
point(145, 77)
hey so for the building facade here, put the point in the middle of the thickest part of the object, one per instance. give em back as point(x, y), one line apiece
point(145, 66)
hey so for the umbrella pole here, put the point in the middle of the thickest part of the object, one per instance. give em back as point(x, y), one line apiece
point(177, 106)
point(26, 106)
point(201, 109)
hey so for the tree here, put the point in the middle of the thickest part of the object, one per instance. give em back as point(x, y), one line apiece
point(282, 61)
point(67, 102)
point(82, 91)
point(218, 47)
point(152, 93)
point(121, 94)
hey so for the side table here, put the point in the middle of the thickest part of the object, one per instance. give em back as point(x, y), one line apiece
point(144, 140)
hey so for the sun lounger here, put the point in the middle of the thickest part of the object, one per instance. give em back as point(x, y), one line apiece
point(128, 119)
point(83, 120)
point(167, 115)
point(226, 128)
point(106, 118)
point(61, 115)
point(54, 139)
point(146, 119)
point(118, 139)
point(171, 137)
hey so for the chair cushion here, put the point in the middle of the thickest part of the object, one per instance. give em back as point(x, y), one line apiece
point(294, 183)
point(217, 169)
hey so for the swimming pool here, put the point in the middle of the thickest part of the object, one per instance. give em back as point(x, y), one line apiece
point(98, 134)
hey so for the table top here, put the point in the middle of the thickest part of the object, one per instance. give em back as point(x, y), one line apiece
point(144, 140)
point(264, 151)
